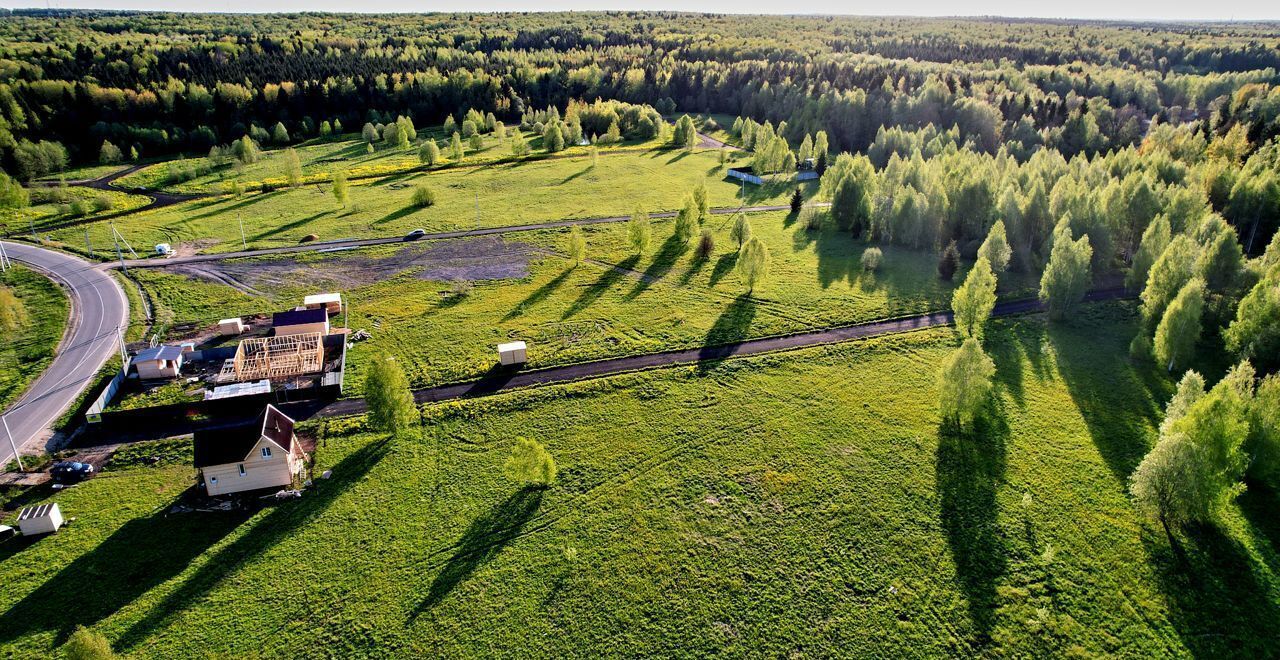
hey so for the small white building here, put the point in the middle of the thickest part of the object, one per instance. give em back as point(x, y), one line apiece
point(263, 454)
point(40, 519)
point(512, 353)
point(159, 362)
point(330, 302)
point(301, 322)
point(232, 326)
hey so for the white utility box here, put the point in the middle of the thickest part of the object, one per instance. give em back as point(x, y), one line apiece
point(512, 353)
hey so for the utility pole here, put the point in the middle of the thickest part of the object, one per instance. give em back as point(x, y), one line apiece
point(124, 355)
point(12, 444)
point(4, 259)
point(243, 244)
point(119, 254)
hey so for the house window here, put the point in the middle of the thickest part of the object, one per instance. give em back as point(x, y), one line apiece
point(213, 480)
point(266, 452)
point(242, 469)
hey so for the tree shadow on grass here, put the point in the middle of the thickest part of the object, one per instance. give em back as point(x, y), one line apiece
point(483, 540)
point(694, 268)
point(730, 329)
point(1259, 505)
point(395, 215)
point(301, 222)
point(1011, 346)
point(1217, 601)
point(140, 555)
point(269, 530)
point(724, 264)
point(538, 295)
point(970, 468)
point(593, 291)
point(575, 175)
point(249, 200)
point(663, 261)
point(1107, 388)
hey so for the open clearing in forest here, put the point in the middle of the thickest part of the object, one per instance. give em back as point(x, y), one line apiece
point(805, 500)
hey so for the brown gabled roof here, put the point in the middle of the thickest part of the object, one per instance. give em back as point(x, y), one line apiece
point(233, 445)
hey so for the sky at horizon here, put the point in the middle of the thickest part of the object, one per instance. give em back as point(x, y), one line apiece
point(1148, 10)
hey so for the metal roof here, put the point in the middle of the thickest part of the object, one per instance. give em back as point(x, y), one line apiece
point(159, 353)
point(299, 317)
point(38, 511)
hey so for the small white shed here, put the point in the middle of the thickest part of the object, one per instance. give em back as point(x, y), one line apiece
point(40, 519)
point(331, 302)
point(233, 326)
point(512, 353)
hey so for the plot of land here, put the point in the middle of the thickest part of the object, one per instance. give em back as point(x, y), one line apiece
point(616, 304)
point(804, 503)
point(467, 198)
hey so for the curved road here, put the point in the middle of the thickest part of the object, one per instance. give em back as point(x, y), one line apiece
point(98, 308)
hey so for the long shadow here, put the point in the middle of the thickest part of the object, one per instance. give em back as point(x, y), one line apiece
point(281, 522)
point(288, 226)
point(1216, 599)
point(1112, 396)
point(1010, 345)
point(1259, 505)
point(395, 215)
point(593, 291)
point(663, 261)
point(724, 264)
point(969, 470)
point(491, 381)
point(140, 555)
point(693, 269)
point(483, 540)
point(732, 326)
point(538, 294)
point(574, 176)
point(249, 200)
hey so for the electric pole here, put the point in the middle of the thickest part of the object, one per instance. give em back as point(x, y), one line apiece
point(12, 444)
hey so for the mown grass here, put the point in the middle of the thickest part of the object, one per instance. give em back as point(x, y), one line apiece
point(798, 504)
point(25, 353)
point(613, 305)
point(321, 158)
point(507, 194)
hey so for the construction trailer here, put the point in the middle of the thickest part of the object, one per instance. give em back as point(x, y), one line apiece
point(40, 519)
point(330, 302)
point(301, 321)
point(231, 326)
point(274, 358)
point(512, 353)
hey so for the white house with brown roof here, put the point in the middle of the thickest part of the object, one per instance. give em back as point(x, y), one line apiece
point(263, 454)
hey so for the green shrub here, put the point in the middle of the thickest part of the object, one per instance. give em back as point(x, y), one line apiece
point(423, 197)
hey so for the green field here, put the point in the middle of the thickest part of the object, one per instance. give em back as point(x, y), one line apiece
point(320, 159)
point(508, 194)
point(804, 504)
point(25, 355)
point(43, 214)
point(614, 305)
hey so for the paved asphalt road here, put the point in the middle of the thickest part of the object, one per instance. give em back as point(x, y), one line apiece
point(98, 306)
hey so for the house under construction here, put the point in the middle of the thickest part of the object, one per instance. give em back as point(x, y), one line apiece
point(276, 358)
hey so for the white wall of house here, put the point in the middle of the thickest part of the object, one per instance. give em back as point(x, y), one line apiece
point(149, 369)
point(256, 471)
point(303, 328)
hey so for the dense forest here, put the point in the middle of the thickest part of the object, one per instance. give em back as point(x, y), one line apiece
point(156, 83)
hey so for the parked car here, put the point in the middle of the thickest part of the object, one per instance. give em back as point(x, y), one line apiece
point(70, 471)
point(415, 234)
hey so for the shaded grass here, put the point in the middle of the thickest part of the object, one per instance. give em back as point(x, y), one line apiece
point(797, 501)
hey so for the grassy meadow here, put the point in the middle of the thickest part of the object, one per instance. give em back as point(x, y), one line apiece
point(507, 194)
point(42, 214)
point(26, 353)
point(613, 304)
point(803, 504)
point(321, 158)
